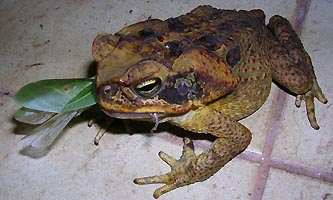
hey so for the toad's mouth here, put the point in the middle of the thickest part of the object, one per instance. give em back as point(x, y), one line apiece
point(143, 116)
point(152, 117)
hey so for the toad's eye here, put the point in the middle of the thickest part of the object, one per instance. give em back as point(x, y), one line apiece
point(148, 88)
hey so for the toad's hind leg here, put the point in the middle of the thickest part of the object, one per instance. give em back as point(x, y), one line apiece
point(292, 67)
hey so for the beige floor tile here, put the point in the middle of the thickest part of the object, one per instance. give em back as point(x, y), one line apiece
point(282, 185)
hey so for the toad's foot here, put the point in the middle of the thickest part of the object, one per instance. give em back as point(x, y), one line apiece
point(309, 101)
point(180, 174)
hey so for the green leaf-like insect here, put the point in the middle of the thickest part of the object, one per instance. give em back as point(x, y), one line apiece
point(56, 95)
point(41, 102)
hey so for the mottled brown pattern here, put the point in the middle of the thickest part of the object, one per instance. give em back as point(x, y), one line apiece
point(202, 71)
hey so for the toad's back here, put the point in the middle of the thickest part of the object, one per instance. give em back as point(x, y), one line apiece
point(240, 38)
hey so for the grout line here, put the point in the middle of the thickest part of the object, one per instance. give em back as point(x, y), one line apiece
point(251, 156)
point(300, 17)
point(303, 170)
point(289, 166)
point(263, 171)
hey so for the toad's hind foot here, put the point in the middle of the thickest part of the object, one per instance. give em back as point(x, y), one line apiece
point(309, 101)
point(179, 176)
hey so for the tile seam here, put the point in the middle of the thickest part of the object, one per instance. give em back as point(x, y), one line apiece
point(290, 166)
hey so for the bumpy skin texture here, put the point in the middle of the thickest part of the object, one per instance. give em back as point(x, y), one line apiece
point(201, 71)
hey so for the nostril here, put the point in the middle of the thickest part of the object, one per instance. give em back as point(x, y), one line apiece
point(107, 89)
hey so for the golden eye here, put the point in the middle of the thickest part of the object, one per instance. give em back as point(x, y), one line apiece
point(147, 88)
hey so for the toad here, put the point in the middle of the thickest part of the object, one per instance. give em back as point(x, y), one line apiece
point(202, 71)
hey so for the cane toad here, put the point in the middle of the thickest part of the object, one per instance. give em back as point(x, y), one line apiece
point(202, 71)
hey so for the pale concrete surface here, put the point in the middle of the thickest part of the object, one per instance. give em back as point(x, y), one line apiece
point(48, 39)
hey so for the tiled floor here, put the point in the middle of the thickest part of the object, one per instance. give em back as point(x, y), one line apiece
point(287, 159)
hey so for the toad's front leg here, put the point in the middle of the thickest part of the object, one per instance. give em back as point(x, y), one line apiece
point(232, 139)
